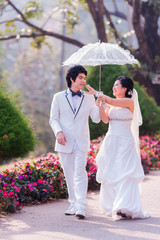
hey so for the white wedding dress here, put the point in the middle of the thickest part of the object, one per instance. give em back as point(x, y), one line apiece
point(119, 168)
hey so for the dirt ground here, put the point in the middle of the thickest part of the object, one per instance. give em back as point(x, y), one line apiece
point(48, 222)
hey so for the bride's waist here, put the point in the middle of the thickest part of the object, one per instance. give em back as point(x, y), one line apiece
point(120, 129)
point(120, 119)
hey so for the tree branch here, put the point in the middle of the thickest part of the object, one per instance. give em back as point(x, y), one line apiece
point(43, 33)
point(118, 14)
point(49, 17)
point(130, 2)
point(106, 13)
point(11, 20)
point(17, 10)
point(40, 31)
point(2, 9)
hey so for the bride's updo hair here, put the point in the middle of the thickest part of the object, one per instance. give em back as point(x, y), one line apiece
point(126, 82)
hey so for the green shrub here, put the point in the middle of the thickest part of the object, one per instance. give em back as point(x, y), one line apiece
point(16, 134)
point(150, 110)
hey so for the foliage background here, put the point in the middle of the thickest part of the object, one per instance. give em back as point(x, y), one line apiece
point(33, 64)
point(150, 110)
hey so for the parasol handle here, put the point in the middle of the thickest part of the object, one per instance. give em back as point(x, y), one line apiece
point(100, 77)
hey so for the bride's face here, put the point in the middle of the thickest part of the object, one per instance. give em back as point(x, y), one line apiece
point(118, 90)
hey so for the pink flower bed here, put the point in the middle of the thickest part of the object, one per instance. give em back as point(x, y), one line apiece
point(43, 180)
point(150, 152)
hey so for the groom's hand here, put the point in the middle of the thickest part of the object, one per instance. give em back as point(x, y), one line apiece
point(61, 138)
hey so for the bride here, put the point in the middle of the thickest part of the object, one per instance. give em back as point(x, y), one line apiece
point(118, 160)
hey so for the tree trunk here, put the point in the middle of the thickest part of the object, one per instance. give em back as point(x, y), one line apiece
point(147, 36)
point(96, 10)
point(151, 33)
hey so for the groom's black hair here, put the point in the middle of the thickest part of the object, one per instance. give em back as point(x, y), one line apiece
point(73, 73)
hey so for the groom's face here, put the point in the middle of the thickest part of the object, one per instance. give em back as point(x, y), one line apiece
point(79, 82)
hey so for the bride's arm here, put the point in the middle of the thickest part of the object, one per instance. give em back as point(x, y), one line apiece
point(121, 102)
point(103, 112)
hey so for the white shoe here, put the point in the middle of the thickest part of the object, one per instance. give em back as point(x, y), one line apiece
point(80, 213)
point(71, 210)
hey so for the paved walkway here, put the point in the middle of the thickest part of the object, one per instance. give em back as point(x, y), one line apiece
point(48, 222)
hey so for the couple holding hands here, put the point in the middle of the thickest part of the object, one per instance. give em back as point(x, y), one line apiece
point(118, 160)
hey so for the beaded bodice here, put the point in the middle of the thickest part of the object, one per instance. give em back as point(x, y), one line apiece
point(120, 121)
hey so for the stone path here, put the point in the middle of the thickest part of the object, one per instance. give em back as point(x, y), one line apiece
point(48, 222)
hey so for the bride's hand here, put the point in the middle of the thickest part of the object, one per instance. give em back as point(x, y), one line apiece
point(98, 103)
point(90, 90)
point(101, 99)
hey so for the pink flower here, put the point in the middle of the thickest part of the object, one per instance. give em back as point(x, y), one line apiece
point(52, 188)
point(5, 194)
point(30, 184)
point(35, 184)
point(11, 194)
point(18, 189)
point(30, 188)
point(44, 190)
point(40, 181)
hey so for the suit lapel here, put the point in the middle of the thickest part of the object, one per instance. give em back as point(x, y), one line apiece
point(69, 100)
point(79, 103)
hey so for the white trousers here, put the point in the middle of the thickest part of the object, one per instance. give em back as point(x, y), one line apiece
point(74, 168)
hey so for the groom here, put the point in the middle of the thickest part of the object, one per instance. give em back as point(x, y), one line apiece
point(70, 111)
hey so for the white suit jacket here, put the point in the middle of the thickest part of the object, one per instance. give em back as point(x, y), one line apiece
point(75, 126)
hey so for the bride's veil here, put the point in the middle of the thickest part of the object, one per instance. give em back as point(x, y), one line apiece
point(137, 120)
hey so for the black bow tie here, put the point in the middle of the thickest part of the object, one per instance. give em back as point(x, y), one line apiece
point(76, 93)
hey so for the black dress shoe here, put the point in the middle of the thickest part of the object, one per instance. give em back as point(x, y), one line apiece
point(80, 216)
point(80, 213)
point(123, 215)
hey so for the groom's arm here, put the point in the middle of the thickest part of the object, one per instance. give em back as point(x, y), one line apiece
point(55, 116)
